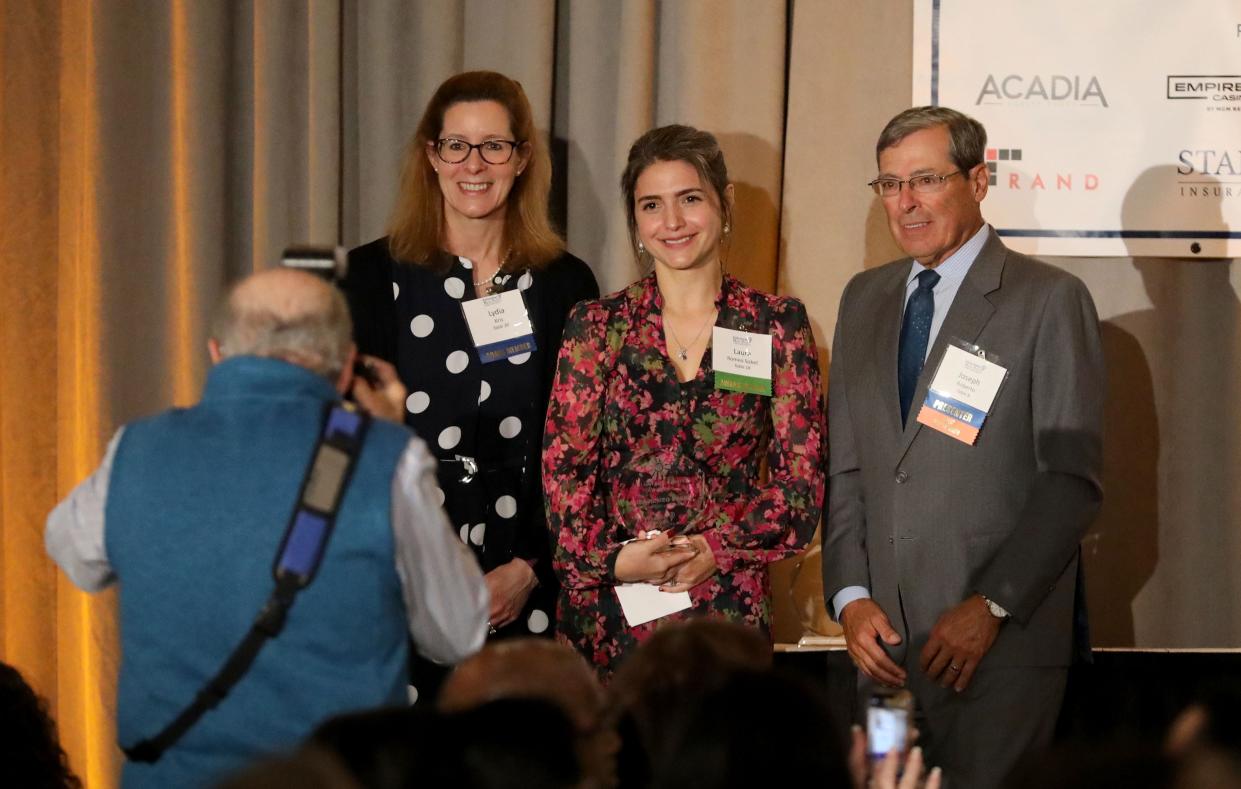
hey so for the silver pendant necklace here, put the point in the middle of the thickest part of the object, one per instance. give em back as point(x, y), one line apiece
point(683, 353)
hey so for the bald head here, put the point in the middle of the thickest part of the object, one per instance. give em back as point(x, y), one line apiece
point(285, 314)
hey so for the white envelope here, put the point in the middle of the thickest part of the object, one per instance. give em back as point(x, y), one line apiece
point(642, 602)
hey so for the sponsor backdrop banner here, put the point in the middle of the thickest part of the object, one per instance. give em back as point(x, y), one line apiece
point(1114, 127)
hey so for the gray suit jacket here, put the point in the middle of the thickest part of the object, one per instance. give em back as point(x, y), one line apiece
point(923, 520)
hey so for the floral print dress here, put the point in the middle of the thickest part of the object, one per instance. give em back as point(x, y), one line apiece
point(627, 446)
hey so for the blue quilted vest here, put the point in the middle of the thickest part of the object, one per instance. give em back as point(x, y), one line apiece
point(197, 504)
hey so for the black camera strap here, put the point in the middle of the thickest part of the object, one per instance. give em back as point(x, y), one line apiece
point(301, 550)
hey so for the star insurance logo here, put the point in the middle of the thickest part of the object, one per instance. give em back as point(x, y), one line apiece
point(1028, 176)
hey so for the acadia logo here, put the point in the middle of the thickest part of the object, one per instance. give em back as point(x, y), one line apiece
point(1074, 89)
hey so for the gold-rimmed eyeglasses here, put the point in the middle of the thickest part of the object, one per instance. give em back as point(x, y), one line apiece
point(922, 184)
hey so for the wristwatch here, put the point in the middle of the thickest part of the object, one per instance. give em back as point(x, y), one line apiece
point(995, 608)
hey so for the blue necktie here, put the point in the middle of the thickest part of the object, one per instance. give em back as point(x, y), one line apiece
point(915, 331)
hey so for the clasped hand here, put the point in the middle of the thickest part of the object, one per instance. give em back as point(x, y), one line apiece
point(675, 564)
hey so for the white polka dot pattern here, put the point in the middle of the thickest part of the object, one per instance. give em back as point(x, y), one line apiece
point(449, 437)
point(537, 622)
point(417, 402)
point(454, 287)
point(484, 391)
point(477, 532)
point(506, 506)
point(466, 263)
point(519, 358)
point(439, 496)
point(412, 694)
point(422, 325)
point(457, 361)
point(525, 281)
point(465, 532)
point(396, 291)
point(510, 426)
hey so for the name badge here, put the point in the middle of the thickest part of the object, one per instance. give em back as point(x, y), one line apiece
point(742, 361)
point(499, 325)
point(962, 391)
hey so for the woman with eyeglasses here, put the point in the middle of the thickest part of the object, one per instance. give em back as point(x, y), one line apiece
point(467, 297)
point(670, 398)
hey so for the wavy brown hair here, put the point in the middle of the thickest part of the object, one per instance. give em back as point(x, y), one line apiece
point(676, 143)
point(416, 230)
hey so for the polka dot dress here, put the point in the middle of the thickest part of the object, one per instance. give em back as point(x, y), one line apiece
point(491, 413)
point(463, 408)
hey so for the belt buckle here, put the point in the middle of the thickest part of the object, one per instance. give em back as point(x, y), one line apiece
point(471, 467)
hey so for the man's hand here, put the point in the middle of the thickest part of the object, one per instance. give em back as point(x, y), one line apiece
point(958, 643)
point(699, 568)
point(865, 624)
point(385, 399)
point(510, 586)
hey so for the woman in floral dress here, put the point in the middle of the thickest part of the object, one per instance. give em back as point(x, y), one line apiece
point(653, 461)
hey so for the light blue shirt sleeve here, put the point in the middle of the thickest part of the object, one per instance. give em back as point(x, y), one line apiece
point(846, 596)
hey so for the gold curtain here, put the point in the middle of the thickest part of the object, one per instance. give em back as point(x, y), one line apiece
point(153, 150)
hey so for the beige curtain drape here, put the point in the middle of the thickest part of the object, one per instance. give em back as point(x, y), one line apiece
point(152, 150)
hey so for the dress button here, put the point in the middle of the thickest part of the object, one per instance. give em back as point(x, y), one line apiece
point(902, 477)
point(891, 541)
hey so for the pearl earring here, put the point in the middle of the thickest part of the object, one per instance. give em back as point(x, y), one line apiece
point(641, 248)
point(727, 228)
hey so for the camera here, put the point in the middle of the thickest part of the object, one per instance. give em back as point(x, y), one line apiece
point(332, 264)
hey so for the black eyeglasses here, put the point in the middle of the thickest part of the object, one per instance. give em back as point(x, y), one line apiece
point(922, 184)
point(454, 151)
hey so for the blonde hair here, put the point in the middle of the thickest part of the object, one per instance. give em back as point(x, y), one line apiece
point(416, 230)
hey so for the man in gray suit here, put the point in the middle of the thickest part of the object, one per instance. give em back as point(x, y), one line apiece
point(953, 566)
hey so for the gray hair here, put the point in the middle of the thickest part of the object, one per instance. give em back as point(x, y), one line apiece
point(967, 137)
point(307, 324)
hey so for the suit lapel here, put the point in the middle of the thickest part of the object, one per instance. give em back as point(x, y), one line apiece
point(887, 339)
point(969, 313)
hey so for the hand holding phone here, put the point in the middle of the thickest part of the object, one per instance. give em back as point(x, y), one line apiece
point(889, 720)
